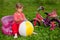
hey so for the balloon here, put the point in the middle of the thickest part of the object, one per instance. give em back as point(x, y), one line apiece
point(26, 28)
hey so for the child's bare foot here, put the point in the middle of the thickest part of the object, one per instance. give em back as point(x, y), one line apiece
point(15, 36)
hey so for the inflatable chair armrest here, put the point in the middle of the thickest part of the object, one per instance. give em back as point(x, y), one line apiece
point(7, 20)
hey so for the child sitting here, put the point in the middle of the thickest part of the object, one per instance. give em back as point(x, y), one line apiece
point(18, 18)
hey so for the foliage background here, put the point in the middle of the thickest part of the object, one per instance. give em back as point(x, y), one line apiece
point(7, 7)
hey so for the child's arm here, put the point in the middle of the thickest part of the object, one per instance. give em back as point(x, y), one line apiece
point(18, 20)
point(24, 17)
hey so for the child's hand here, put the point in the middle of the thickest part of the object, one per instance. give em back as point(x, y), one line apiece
point(25, 19)
point(19, 20)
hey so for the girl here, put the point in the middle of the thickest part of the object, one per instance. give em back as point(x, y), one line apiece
point(18, 18)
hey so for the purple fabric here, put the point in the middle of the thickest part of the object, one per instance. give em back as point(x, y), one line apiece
point(7, 24)
point(7, 31)
point(7, 20)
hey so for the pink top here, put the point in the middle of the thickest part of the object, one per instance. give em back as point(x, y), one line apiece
point(18, 16)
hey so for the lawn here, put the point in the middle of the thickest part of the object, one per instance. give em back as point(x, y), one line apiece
point(7, 7)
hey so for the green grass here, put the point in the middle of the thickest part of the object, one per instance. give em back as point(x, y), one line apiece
point(7, 7)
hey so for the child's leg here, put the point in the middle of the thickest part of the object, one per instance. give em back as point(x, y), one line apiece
point(15, 29)
point(15, 36)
